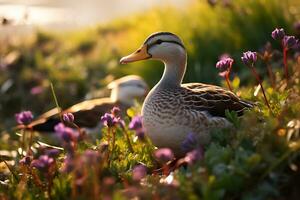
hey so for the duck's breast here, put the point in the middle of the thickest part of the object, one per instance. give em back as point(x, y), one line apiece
point(168, 121)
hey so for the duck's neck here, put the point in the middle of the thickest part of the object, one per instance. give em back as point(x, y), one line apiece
point(174, 71)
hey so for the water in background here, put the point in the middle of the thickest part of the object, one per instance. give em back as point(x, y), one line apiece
point(22, 16)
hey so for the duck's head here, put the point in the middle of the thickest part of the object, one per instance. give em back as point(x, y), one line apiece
point(164, 46)
point(127, 89)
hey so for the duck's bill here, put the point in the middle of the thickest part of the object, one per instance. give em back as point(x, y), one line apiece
point(140, 54)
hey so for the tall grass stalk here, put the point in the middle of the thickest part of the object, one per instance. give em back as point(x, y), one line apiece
point(56, 102)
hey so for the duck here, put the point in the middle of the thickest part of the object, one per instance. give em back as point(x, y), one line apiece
point(173, 110)
point(124, 92)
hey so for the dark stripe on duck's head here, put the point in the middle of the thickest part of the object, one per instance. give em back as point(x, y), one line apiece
point(161, 37)
point(159, 34)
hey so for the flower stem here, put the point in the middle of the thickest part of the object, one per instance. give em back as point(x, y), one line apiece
point(81, 133)
point(285, 63)
point(113, 143)
point(37, 181)
point(108, 140)
point(49, 186)
point(128, 140)
point(113, 140)
point(23, 141)
point(271, 74)
point(262, 88)
point(30, 142)
point(228, 81)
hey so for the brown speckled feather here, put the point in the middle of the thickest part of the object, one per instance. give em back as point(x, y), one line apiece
point(213, 99)
point(91, 117)
point(87, 114)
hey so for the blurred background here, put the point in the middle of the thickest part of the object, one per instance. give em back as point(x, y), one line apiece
point(76, 45)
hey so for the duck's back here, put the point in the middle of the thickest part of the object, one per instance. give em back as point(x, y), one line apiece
point(213, 99)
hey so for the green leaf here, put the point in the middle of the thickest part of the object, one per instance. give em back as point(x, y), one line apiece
point(232, 116)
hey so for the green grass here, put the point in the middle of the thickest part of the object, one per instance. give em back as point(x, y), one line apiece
point(257, 160)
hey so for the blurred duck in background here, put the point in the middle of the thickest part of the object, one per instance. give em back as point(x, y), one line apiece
point(124, 92)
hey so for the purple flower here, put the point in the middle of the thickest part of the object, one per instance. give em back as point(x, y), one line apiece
point(194, 156)
point(115, 111)
point(190, 142)
point(52, 152)
point(109, 120)
point(164, 155)
point(249, 58)
point(43, 163)
point(68, 117)
point(25, 160)
point(66, 133)
point(290, 42)
point(137, 125)
point(278, 34)
point(139, 172)
point(224, 65)
point(24, 117)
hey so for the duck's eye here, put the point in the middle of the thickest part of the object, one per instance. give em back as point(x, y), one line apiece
point(139, 85)
point(159, 41)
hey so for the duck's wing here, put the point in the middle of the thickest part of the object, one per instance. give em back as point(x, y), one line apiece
point(45, 122)
point(86, 114)
point(90, 114)
point(213, 99)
